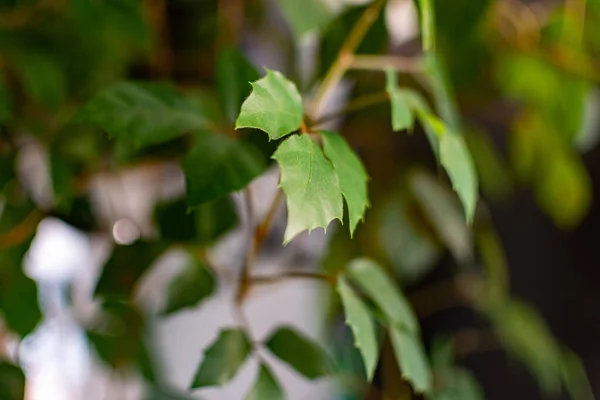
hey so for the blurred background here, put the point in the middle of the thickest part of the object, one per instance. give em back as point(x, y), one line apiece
point(523, 78)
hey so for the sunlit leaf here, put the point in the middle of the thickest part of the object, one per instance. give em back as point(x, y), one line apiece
point(234, 74)
point(379, 286)
point(310, 184)
point(358, 317)
point(299, 352)
point(274, 106)
point(266, 387)
point(142, 113)
point(351, 173)
point(190, 287)
point(305, 16)
point(222, 359)
point(219, 165)
point(125, 266)
point(412, 359)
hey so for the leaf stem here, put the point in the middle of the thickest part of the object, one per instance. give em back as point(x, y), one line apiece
point(345, 57)
point(383, 62)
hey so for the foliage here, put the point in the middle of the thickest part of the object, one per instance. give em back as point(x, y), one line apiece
point(103, 85)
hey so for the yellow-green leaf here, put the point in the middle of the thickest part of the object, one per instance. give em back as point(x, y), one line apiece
point(411, 359)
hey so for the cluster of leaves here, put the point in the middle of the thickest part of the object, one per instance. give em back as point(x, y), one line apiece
point(215, 134)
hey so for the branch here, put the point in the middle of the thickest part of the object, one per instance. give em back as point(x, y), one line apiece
point(380, 63)
point(345, 57)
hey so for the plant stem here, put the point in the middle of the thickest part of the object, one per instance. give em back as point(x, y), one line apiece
point(381, 63)
point(261, 280)
point(359, 103)
point(251, 251)
point(345, 57)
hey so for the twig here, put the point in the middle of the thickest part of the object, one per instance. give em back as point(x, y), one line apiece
point(345, 57)
point(251, 250)
point(263, 229)
point(379, 63)
point(359, 103)
point(269, 279)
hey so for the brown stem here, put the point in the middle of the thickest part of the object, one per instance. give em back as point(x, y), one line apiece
point(345, 57)
point(379, 63)
point(269, 279)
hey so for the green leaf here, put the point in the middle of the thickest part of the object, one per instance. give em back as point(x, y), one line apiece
point(214, 219)
point(351, 173)
point(142, 113)
point(525, 335)
point(411, 359)
point(402, 116)
point(456, 160)
point(19, 306)
point(266, 387)
point(443, 211)
point(575, 378)
point(379, 286)
point(441, 89)
point(219, 165)
point(311, 186)
point(427, 24)
point(234, 74)
point(42, 77)
point(190, 287)
point(301, 353)
point(125, 266)
point(274, 106)
point(12, 382)
point(305, 16)
point(223, 359)
point(358, 317)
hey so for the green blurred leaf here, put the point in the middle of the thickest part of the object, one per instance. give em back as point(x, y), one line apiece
point(214, 219)
point(274, 106)
point(42, 76)
point(442, 92)
point(142, 113)
point(219, 165)
point(190, 287)
point(311, 186)
point(19, 301)
point(526, 337)
point(409, 247)
point(402, 116)
point(160, 393)
point(412, 359)
point(351, 173)
point(62, 174)
point(6, 101)
point(7, 171)
point(125, 266)
point(456, 160)
point(380, 287)
point(443, 211)
point(301, 353)
point(234, 74)
point(12, 382)
point(222, 359)
point(575, 378)
point(358, 317)
point(306, 16)
point(266, 387)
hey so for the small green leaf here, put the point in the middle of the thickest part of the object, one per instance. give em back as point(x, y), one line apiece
point(266, 387)
point(358, 317)
point(189, 288)
point(411, 359)
point(402, 116)
point(301, 353)
point(305, 16)
point(427, 24)
point(218, 165)
point(142, 113)
point(379, 286)
point(456, 160)
point(125, 266)
point(223, 359)
point(274, 106)
point(311, 186)
point(234, 74)
point(351, 173)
